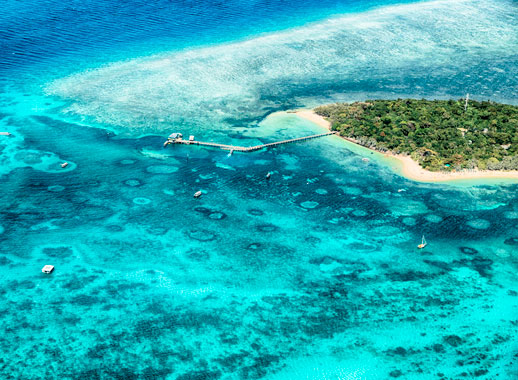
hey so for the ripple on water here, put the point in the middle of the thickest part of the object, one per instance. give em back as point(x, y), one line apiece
point(312, 240)
point(158, 231)
point(161, 169)
point(359, 213)
point(141, 201)
point(114, 228)
point(321, 191)
point(255, 212)
point(127, 162)
point(132, 182)
point(58, 251)
point(91, 213)
point(511, 214)
point(432, 218)
point(56, 188)
point(409, 221)
point(29, 158)
point(388, 232)
point(2, 229)
point(479, 224)
point(407, 207)
point(500, 252)
point(309, 204)
point(351, 190)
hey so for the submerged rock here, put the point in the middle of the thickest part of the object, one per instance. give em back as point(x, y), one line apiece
point(202, 235)
point(433, 218)
point(468, 250)
point(511, 214)
point(202, 210)
point(132, 182)
point(409, 221)
point(141, 201)
point(453, 340)
point(267, 228)
point(309, 204)
point(479, 224)
point(396, 373)
point(217, 215)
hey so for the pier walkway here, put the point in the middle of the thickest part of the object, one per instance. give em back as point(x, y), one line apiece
point(234, 148)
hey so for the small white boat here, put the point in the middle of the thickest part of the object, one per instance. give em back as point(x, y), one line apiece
point(64, 164)
point(365, 159)
point(5, 134)
point(423, 243)
point(268, 175)
point(47, 269)
point(197, 194)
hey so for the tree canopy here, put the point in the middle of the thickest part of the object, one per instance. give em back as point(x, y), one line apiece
point(439, 134)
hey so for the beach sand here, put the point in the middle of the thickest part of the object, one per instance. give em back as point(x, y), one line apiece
point(410, 169)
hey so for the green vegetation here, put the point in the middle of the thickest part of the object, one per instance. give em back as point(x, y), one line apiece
point(439, 134)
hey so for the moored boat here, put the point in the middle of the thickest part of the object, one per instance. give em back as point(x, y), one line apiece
point(47, 269)
point(423, 243)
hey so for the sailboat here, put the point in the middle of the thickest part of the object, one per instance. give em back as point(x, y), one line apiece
point(423, 243)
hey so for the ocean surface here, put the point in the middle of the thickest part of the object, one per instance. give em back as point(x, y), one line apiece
point(313, 274)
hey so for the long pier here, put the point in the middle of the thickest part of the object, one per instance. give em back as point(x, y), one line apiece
point(174, 139)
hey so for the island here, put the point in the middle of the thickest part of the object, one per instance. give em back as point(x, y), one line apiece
point(435, 139)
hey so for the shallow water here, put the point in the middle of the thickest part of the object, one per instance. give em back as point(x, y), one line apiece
point(313, 274)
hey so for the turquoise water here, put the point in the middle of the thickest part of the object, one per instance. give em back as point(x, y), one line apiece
point(313, 274)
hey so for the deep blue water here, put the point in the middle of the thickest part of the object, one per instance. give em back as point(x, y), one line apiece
point(81, 33)
point(313, 274)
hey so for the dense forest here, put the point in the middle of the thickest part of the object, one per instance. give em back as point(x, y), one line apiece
point(439, 134)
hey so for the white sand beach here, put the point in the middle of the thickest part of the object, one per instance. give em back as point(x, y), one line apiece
point(411, 169)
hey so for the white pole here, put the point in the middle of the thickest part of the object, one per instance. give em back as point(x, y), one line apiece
point(466, 104)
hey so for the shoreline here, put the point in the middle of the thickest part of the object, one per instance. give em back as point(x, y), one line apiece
point(409, 168)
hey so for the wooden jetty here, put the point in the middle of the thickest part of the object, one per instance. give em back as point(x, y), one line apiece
point(174, 139)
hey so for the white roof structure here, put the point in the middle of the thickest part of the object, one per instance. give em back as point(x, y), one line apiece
point(47, 269)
